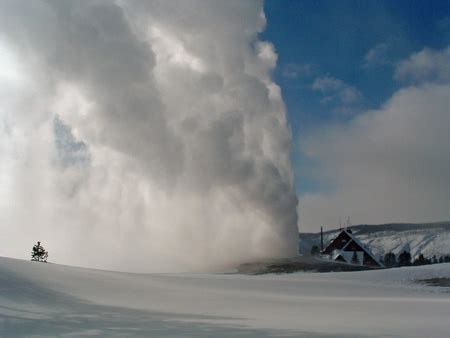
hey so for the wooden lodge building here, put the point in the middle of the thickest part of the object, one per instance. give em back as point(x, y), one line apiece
point(347, 248)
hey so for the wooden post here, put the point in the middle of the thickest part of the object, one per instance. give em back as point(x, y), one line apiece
point(321, 239)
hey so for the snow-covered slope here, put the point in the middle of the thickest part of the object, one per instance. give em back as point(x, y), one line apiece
point(49, 300)
point(429, 239)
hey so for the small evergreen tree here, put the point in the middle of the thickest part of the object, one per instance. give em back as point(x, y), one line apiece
point(404, 258)
point(39, 254)
point(315, 250)
point(420, 260)
point(355, 258)
point(389, 259)
point(441, 259)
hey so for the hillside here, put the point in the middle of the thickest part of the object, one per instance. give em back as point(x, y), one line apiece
point(49, 300)
point(426, 238)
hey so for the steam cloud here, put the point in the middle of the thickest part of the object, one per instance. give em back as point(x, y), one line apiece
point(143, 136)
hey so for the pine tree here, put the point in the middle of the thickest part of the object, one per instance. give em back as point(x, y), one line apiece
point(420, 260)
point(315, 250)
point(404, 258)
point(389, 259)
point(355, 258)
point(39, 254)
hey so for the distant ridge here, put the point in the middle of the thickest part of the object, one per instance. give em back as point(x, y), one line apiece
point(427, 238)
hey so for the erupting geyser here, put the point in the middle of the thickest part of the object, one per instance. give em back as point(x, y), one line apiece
point(143, 136)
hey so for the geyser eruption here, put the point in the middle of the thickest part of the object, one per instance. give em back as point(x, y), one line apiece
point(143, 136)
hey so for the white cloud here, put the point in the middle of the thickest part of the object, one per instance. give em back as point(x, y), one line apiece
point(178, 132)
point(426, 65)
point(336, 90)
point(376, 56)
point(294, 70)
point(390, 164)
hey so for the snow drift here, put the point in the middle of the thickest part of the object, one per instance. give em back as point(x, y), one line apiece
point(49, 300)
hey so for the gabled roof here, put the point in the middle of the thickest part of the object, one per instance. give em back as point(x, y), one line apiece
point(339, 242)
point(343, 239)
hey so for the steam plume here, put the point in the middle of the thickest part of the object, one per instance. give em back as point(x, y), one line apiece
point(143, 135)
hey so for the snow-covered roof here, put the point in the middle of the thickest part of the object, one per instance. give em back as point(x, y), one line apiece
point(360, 244)
point(366, 249)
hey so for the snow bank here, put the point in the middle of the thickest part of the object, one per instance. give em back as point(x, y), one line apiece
point(54, 300)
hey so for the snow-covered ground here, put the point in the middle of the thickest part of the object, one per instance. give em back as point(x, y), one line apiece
point(38, 299)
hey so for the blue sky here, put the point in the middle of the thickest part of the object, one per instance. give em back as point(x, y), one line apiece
point(366, 84)
point(358, 44)
point(350, 72)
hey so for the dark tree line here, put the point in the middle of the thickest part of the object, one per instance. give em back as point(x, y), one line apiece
point(405, 259)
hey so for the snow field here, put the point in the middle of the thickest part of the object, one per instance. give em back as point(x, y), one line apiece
point(49, 300)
